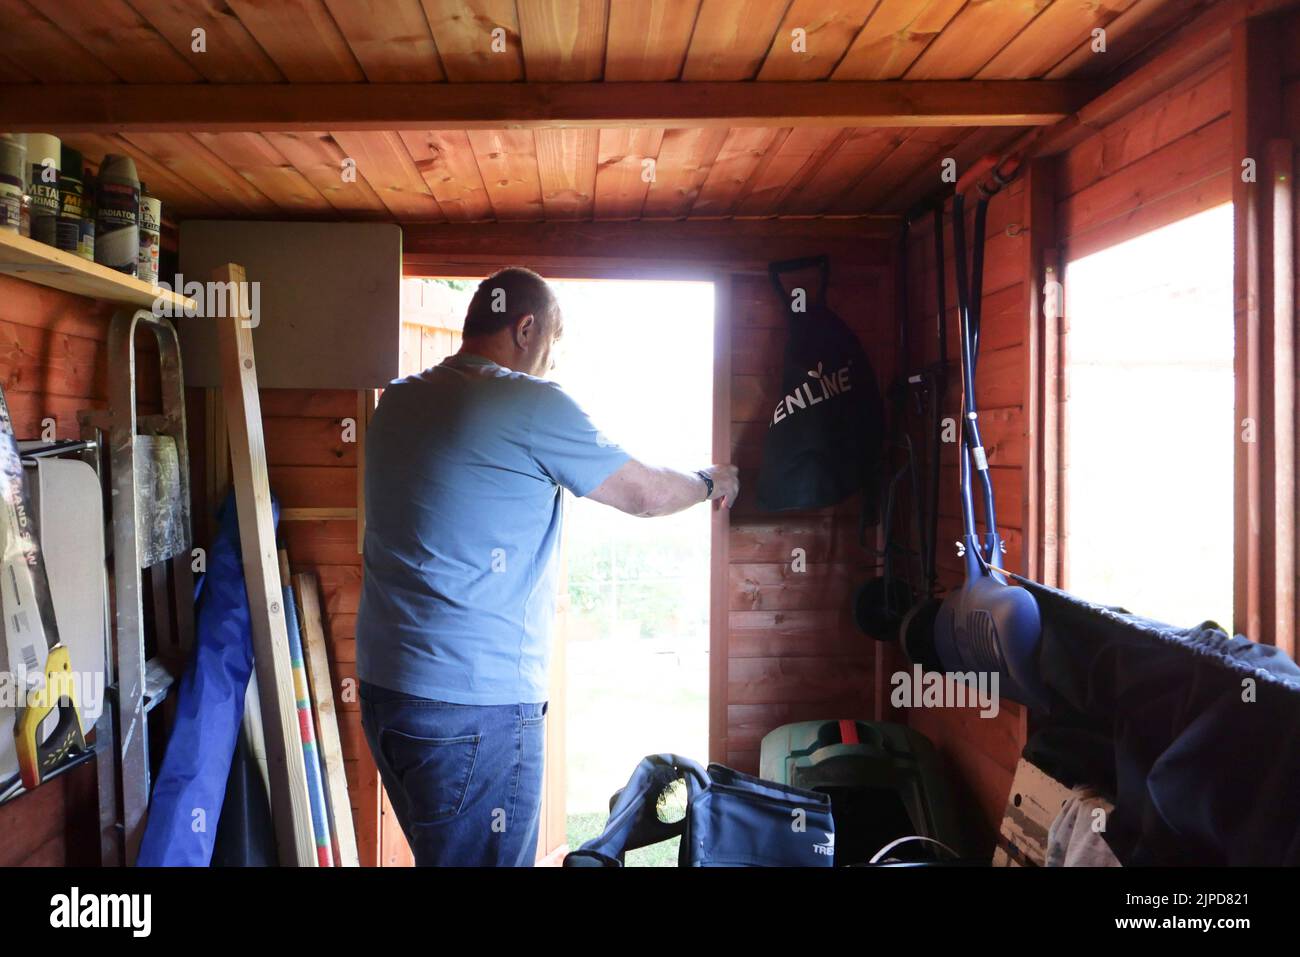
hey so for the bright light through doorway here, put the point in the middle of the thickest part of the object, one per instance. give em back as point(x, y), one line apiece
point(1149, 423)
point(639, 357)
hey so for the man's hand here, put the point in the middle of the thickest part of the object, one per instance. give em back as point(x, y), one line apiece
point(726, 483)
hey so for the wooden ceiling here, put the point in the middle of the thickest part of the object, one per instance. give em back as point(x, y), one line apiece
point(561, 172)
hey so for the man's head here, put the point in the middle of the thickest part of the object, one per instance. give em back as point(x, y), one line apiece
point(514, 320)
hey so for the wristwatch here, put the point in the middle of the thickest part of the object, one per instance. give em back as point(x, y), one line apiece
point(708, 483)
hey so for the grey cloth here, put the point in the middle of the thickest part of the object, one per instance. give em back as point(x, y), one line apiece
point(1076, 837)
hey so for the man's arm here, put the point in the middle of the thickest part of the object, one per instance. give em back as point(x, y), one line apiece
point(646, 491)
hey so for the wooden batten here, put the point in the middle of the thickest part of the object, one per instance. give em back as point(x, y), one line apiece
point(286, 766)
point(210, 108)
point(1264, 134)
point(681, 249)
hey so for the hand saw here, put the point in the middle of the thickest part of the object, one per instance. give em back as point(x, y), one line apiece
point(28, 613)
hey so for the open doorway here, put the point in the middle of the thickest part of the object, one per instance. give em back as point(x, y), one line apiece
point(638, 355)
point(632, 657)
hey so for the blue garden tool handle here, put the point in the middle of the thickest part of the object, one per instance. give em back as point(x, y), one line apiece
point(978, 555)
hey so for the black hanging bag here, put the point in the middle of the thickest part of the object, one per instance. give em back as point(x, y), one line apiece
point(825, 432)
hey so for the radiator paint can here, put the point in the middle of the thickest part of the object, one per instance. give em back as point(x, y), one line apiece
point(43, 159)
point(117, 215)
point(13, 180)
point(150, 236)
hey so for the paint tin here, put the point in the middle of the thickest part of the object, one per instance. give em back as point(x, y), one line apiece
point(43, 158)
point(13, 180)
point(87, 241)
point(117, 216)
point(150, 236)
point(70, 230)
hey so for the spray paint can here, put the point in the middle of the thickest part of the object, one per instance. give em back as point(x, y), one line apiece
point(73, 208)
point(43, 157)
point(13, 180)
point(150, 236)
point(117, 218)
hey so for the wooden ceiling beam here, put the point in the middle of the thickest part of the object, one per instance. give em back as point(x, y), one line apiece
point(666, 248)
point(285, 107)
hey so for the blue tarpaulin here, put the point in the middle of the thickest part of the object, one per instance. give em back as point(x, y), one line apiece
point(191, 785)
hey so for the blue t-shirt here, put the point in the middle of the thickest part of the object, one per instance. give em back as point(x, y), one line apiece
point(465, 466)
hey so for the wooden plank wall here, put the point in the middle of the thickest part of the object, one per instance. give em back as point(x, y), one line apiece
point(794, 653)
point(313, 465)
point(1164, 161)
point(53, 363)
point(981, 753)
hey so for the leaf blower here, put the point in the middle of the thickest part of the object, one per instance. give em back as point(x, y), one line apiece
point(986, 624)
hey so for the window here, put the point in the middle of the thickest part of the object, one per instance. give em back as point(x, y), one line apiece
point(1148, 423)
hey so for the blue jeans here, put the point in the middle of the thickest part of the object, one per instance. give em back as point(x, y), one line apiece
point(464, 780)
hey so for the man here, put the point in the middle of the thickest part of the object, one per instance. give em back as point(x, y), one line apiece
point(466, 464)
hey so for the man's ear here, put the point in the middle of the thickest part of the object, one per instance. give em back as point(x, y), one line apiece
point(525, 329)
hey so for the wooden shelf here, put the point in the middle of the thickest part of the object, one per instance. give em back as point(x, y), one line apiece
point(39, 263)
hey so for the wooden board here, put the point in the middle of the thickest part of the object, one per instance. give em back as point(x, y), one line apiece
point(287, 771)
point(825, 31)
point(720, 522)
point(302, 37)
point(322, 692)
point(36, 262)
point(446, 162)
point(898, 32)
point(328, 301)
point(622, 180)
point(648, 40)
point(562, 39)
point(389, 38)
point(463, 33)
point(507, 160)
point(731, 39)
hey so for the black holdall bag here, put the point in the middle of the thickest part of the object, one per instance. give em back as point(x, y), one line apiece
point(825, 432)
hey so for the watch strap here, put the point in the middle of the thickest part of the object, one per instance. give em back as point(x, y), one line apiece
point(708, 482)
